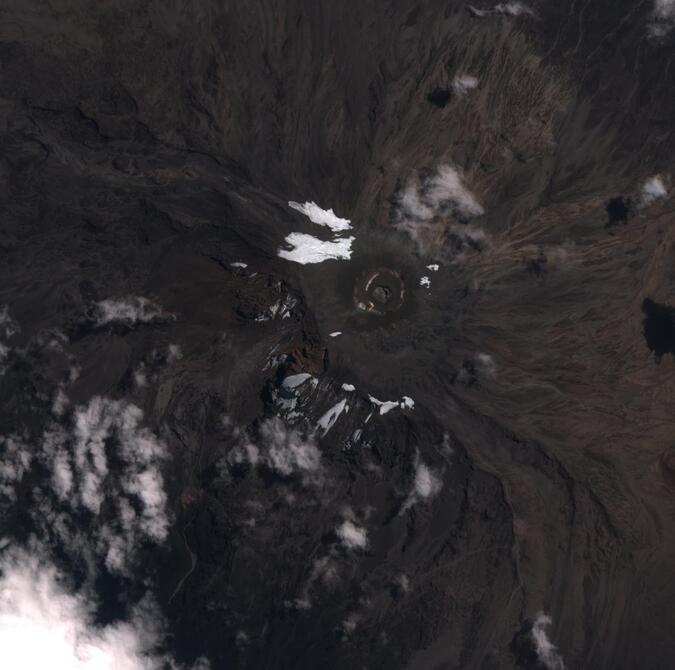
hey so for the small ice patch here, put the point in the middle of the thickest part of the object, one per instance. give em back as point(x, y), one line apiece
point(425, 281)
point(309, 249)
point(433, 267)
point(336, 333)
point(322, 217)
point(348, 387)
point(387, 405)
point(238, 264)
point(295, 380)
point(407, 402)
point(327, 421)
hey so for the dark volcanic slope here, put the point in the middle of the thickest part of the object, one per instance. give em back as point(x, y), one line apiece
point(145, 147)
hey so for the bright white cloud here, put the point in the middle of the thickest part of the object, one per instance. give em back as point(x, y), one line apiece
point(507, 8)
point(352, 536)
point(43, 625)
point(427, 483)
point(306, 249)
point(653, 189)
point(322, 217)
point(128, 311)
point(512, 8)
point(462, 84)
point(546, 651)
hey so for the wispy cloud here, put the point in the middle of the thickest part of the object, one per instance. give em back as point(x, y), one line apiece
point(15, 460)
point(427, 483)
point(433, 207)
point(128, 311)
point(655, 188)
point(281, 449)
point(662, 19)
point(546, 651)
point(79, 457)
point(506, 8)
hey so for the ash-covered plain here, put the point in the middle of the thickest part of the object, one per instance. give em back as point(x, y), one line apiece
point(337, 335)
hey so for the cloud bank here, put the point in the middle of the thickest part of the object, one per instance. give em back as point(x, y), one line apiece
point(44, 625)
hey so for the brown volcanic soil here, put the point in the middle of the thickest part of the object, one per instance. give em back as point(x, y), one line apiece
point(146, 146)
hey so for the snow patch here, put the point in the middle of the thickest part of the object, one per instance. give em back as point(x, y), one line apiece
point(387, 405)
point(306, 249)
point(322, 217)
point(327, 421)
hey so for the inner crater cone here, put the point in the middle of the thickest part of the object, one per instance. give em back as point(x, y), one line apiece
point(379, 291)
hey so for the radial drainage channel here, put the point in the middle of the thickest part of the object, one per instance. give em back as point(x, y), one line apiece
point(379, 291)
